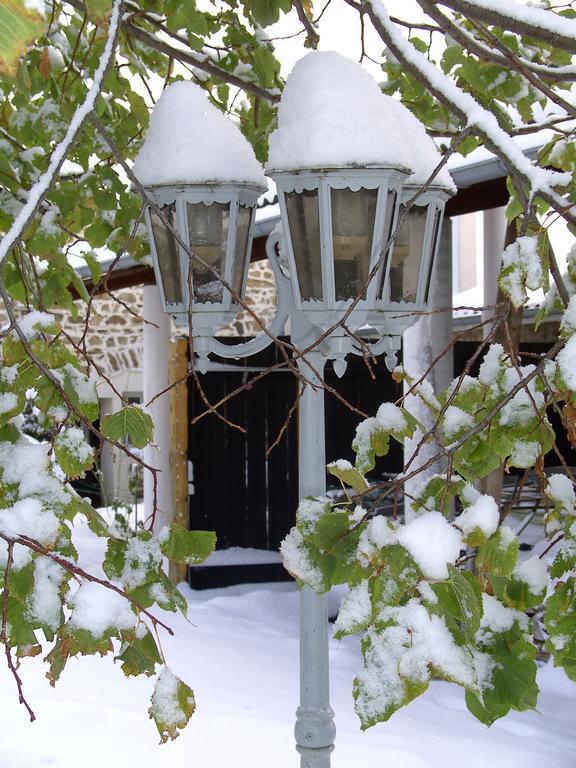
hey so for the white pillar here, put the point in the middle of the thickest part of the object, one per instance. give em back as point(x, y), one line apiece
point(422, 344)
point(314, 730)
point(156, 361)
point(494, 238)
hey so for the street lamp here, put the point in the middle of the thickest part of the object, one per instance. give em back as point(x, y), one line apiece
point(341, 179)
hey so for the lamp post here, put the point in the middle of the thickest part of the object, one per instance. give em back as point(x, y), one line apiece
point(337, 259)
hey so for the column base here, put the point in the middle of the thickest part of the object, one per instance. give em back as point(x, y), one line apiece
point(314, 758)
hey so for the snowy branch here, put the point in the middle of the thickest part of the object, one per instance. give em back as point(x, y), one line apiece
point(36, 194)
point(534, 22)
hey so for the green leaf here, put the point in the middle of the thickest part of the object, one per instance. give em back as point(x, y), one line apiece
point(140, 656)
point(96, 522)
point(373, 442)
point(72, 451)
point(519, 596)
point(330, 529)
point(190, 547)
point(19, 27)
point(463, 601)
point(172, 705)
point(349, 475)
point(14, 403)
point(513, 683)
point(560, 623)
point(397, 578)
point(115, 559)
point(497, 556)
point(131, 422)
point(267, 12)
point(99, 11)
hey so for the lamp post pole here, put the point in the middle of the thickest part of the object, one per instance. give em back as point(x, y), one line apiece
point(314, 730)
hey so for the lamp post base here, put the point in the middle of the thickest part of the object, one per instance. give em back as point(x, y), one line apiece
point(315, 758)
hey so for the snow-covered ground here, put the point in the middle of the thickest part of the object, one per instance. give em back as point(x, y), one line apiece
point(240, 654)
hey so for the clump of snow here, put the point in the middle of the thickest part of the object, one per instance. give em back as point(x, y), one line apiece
point(165, 707)
point(142, 557)
point(342, 465)
point(490, 367)
point(297, 561)
point(97, 608)
point(56, 61)
point(408, 649)
point(34, 323)
point(432, 542)
point(364, 432)
point(84, 386)
point(507, 537)
point(524, 267)
point(310, 510)
point(565, 360)
point(568, 322)
point(524, 453)
point(333, 114)
point(29, 517)
point(44, 603)
point(74, 440)
point(560, 490)
point(497, 618)
point(355, 609)
point(425, 392)
point(190, 141)
point(8, 401)
point(391, 418)
point(525, 402)
point(469, 494)
point(380, 532)
point(534, 573)
point(455, 421)
point(427, 593)
point(27, 464)
point(481, 514)
point(8, 373)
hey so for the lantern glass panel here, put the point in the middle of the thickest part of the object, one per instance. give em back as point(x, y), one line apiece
point(353, 216)
point(407, 256)
point(386, 235)
point(241, 256)
point(304, 221)
point(208, 238)
point(167, 253)
point(433, 248)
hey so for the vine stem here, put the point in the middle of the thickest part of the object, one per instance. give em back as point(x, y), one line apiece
point(4, 635)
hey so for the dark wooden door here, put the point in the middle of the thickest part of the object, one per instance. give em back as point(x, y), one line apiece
point(245, 492)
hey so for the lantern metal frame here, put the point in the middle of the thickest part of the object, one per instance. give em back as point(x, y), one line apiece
point(396, 316)
point(233, 195)
point(388, 181)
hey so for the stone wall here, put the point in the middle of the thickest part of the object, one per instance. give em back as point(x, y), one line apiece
point(114, 337)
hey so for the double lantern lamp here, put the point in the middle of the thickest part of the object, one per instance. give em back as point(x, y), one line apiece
point(337, 228)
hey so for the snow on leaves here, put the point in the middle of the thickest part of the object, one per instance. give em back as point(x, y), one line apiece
point(172, 705)
point(420, 611)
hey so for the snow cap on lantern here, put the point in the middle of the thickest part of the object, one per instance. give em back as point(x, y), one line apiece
point(190, 141)
point(339, 164)
point(202, 174)
point(333, 115)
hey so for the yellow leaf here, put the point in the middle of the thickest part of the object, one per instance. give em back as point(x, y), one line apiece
point(20, 26)
point(45, 65)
